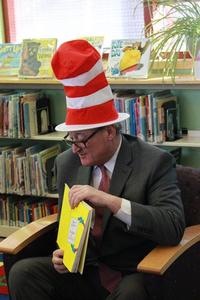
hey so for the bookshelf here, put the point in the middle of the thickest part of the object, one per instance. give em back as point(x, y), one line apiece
point(184, 85)
point(50, 139)
point(186, 82)
point(181, 83)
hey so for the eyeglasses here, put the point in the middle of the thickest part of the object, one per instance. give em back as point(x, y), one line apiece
point(81, 144)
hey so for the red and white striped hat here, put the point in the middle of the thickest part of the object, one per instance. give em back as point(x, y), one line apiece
point(89, 99)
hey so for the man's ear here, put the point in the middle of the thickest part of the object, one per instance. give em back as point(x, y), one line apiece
point(111, 130)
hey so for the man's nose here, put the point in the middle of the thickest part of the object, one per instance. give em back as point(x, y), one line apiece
point(75, 148)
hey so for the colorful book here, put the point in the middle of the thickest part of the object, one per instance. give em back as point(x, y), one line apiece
point(96, 41)
point(73, 233)
point(45, 173)
point(130, 58)
point(43, 114)
point(36, 58)
point(35, 113)
point(10, 59)
point(105, 61)
point(142, 117)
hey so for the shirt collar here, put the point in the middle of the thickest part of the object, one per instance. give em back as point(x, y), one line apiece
point(110, 164)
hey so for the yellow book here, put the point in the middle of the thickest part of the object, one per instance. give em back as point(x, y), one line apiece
point(73, 233)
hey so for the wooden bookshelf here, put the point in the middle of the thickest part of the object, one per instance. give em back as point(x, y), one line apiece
point(186, 82)
point(181, 82)
point(192, 139)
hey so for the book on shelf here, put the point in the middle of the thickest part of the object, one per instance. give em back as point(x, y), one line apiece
point(50, 175)
point(18, 210)
point(36, 58)
point(172, 123)
point(29, 176)
point(46, 176)
point(73, 233)
point(23, 169)
point(43, 114)
point(142, 115)
point(28, 105)
point(10, 54)
point(105, 61)
point(35, 113)
point(2, 97)
point(154, 117)
point(5, 165)
point(96, 41)
point(156, 125)
point(130, 58)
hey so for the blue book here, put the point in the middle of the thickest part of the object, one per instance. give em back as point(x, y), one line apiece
point(132, 117)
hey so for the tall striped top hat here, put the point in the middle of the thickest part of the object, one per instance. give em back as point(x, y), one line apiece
point(89, 100)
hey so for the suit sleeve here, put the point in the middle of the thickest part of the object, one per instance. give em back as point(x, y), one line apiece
point(161, 219)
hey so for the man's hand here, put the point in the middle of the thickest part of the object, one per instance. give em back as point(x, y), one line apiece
point(96, 197)
point(57, 260)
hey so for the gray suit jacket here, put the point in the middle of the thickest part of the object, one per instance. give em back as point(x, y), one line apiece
point(146, 176)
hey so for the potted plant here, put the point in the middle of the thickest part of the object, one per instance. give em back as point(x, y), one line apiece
point(183, 30)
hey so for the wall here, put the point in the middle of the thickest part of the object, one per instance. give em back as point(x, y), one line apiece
point(190, 118)
point(1, 24)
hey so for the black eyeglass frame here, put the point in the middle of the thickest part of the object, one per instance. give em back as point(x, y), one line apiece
point(81, 144)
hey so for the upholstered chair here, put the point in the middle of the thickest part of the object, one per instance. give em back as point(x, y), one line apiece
point(172, 273)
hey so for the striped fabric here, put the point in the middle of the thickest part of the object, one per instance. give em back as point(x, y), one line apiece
point(89, 99)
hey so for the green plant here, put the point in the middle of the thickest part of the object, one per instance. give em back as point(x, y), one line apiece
point(183, 30)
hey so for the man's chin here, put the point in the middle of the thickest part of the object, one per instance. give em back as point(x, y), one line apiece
point(85, 161)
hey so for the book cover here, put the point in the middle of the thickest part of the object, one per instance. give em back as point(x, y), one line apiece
point(73, 233)
point(36, 58)
point(50, 174)
point(43, 114)
point(155, 98)
point(105, 61)
point(96, 41)
point(130, 58)
point(142, 117)
point(36, 113)
point(172, 119)
point(30, 183)
point(46, 174)
point(10, 59)
point(161, 110)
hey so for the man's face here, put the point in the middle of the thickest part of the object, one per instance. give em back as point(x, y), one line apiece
point(92, 146)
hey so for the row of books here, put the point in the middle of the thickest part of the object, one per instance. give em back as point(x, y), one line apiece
point(19, 211)
point(32, 57)
point(23, 114)
point(28, 170)
point(154, 117)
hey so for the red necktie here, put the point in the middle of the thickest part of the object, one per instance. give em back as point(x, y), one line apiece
point(109, 278)
point(103, 186)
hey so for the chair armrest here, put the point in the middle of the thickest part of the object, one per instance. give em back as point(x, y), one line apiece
point(161, 257)
point(19, 239)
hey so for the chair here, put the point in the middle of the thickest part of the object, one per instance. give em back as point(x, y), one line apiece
point(173, 273)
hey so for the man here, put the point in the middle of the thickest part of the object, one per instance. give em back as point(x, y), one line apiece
point(131, 185)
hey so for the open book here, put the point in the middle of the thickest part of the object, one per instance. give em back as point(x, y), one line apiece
point(73, 233)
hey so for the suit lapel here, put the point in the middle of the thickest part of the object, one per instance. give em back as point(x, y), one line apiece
point(84, 175)
point(123, 167)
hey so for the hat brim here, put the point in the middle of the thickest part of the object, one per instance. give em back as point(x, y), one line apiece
point(64, 127)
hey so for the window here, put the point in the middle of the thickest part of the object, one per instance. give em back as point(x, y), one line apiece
point(71, 19)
